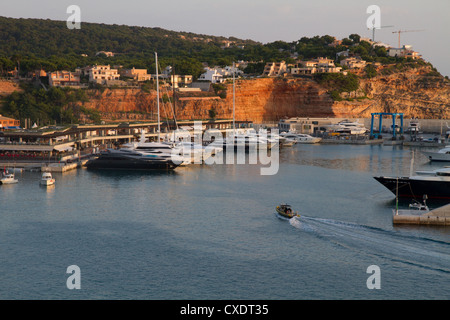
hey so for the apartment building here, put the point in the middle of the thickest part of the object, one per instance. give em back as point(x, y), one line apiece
point(275, 69)
point(103, 74)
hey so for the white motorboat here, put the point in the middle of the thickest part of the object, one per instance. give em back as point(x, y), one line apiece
point(413, 126)
point(8, 178)
point(47, 179)
point(287, 142)
point(191, 152)
point(300, 137)
point(354, 127)
point(441, 155)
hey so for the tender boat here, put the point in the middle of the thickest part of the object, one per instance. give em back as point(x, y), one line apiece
point(441, 155)
point(285, 211)
point(8, 178)
point(47, 179)
point(435, 184)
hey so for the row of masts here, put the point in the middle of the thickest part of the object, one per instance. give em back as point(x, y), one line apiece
point(157, 96)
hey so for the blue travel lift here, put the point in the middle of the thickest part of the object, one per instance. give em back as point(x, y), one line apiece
point(380, 120)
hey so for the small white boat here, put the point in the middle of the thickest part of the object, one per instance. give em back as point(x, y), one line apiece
point(191, 152)
point(413, 127)
point(441, 155)
point(8, 178)
point(300, 137)
point(287, 142)
point(47, 179)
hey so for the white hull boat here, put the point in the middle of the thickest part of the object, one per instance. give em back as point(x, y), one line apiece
point(441, 155)
point(8, 178)
point(47, 179)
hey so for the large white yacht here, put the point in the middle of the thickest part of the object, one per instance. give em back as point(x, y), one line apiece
point(138, 155)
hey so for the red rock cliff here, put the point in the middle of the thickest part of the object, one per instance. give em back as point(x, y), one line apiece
point(412, 92)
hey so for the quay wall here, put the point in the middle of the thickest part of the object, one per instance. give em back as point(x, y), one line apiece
point(437, 217)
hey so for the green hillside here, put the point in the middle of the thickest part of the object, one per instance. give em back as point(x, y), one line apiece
point(48, 44)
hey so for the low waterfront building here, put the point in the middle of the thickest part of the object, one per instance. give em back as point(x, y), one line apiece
point(304, 125)
point(53, 144)
point(8, 123)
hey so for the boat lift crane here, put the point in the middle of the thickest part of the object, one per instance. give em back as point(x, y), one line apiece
point(402, 31)
point(381, 114)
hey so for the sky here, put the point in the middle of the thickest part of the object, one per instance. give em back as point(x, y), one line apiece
point(267, 20)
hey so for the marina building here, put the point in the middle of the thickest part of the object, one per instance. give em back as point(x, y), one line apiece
point(8, 123)
point(58, 144)
point(304, 125)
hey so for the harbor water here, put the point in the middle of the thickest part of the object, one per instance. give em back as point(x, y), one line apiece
point(210, 232)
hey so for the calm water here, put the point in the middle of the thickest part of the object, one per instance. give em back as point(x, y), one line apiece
point(210, 232)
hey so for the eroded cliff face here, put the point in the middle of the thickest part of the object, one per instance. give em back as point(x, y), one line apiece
point(257, 100)
point(412, 92)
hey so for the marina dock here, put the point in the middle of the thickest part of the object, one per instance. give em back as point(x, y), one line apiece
point(436, 217)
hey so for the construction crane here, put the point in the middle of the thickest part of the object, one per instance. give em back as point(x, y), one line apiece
point(402, 31)
point(373, 31)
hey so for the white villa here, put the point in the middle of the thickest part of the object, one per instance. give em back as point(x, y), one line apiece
point(103, 74)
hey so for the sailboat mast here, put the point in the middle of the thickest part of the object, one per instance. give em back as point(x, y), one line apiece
point(234, 98)
point(157, 93)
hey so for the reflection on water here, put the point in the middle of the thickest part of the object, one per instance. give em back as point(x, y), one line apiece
point(377, 159)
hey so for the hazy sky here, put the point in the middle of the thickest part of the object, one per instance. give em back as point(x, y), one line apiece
point(266, 20)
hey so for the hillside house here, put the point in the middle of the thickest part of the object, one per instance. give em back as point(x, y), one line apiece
point(353, 63)
point(275, 69)
point(103, 74)
point(318, 65)
point(136, 74)
point(64, 79)
point(212, 75)
point(404, 52)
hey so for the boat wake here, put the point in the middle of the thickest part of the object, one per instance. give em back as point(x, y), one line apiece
point(414, 250)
